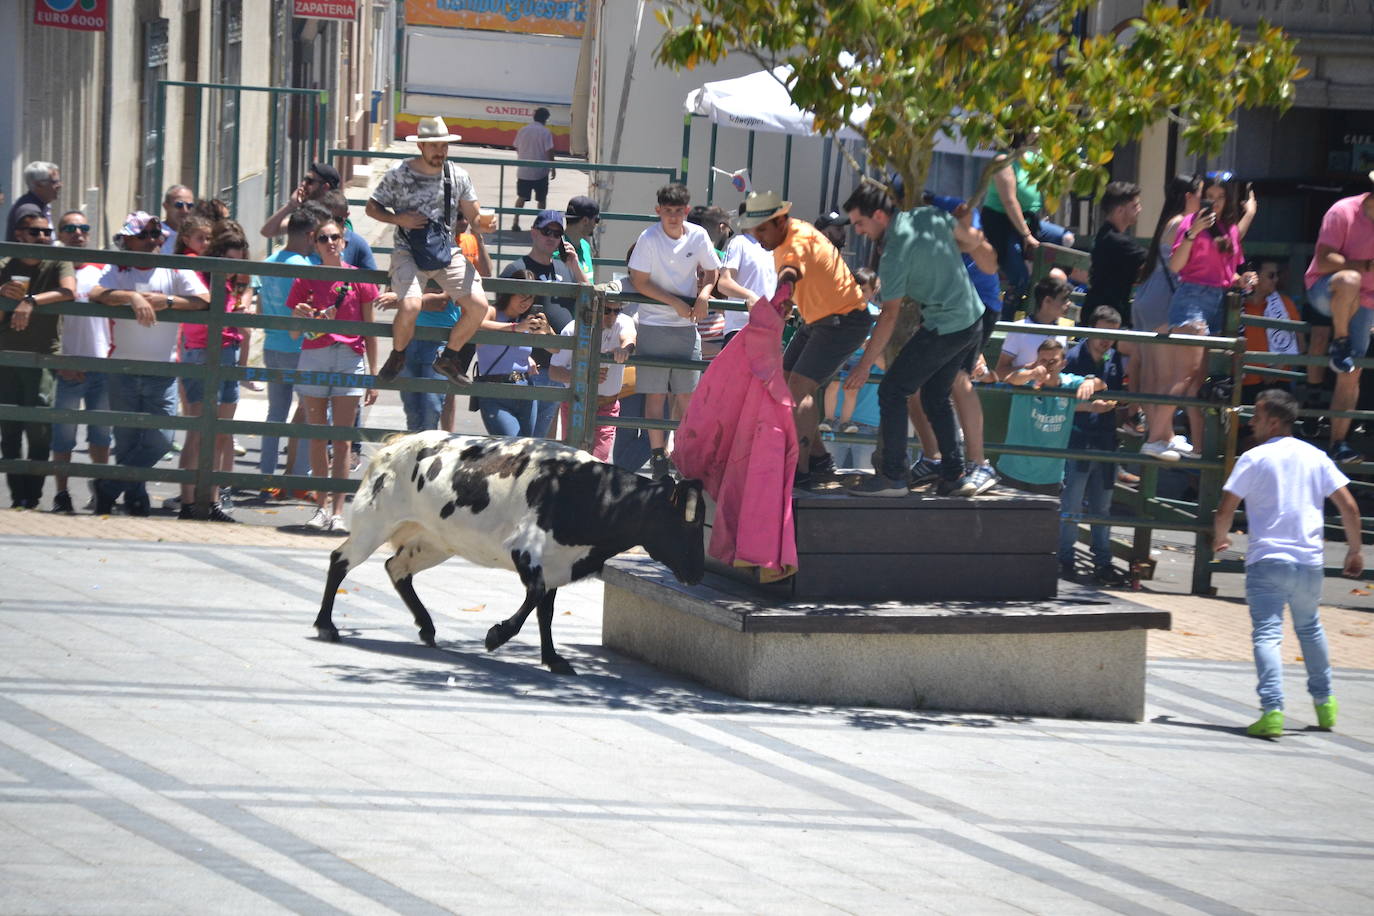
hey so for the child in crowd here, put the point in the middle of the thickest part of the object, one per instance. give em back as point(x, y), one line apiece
point(837, 406)
point(1042, 421)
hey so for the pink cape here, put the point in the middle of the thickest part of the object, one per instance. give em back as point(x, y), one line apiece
point(738, 437)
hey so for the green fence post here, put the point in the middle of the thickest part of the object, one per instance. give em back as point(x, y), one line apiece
point(786, 166)
point(210, 375)
point(686, 147)
point(586, 368)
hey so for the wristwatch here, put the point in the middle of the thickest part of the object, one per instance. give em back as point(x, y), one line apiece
point(169, 302)
point(28, 297)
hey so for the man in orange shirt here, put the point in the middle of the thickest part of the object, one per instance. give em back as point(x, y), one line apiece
point(833, 308)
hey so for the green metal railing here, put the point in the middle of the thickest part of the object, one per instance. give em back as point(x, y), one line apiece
point(580, 394)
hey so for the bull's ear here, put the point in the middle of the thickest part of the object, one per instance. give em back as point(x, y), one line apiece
point(687, 496)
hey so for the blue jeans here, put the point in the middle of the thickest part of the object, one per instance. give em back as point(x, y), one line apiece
point(93, 389)
point(1093, 487)
point(139, 448)
point(422, 407)
point(544, 412)
point(279, 395)
point(508, 417)
point(852, 454)
point(631, 447)
point(1361, 323)
point(1269, 585)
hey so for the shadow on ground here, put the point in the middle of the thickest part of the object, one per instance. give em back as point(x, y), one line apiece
point(605, 680)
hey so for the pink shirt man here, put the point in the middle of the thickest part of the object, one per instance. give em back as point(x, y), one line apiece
point(1348, 229)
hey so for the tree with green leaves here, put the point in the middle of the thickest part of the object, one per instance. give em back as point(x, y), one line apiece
point(1010, 76)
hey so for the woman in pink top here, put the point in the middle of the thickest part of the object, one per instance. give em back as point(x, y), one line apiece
point(331, 365)
point(228, 241)
point(1207, 257)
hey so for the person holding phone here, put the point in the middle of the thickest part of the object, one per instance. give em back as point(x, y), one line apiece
point(512, 363)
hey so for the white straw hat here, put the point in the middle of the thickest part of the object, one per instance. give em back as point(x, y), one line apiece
point(433, 130)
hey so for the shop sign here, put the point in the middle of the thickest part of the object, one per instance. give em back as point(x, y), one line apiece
point(346, 10)
point(81, 15)
point(535, 17)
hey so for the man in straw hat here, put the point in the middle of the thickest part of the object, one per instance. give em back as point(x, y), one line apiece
point(833, 308)
point(411, 196)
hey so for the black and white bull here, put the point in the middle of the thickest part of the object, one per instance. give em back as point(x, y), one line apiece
point(548, 511)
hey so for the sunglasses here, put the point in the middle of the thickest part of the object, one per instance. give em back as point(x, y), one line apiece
point(550, 233)
point(329, 237)
point(611, 311)
point(183, 204)
point(76, 227)
point(36, 230)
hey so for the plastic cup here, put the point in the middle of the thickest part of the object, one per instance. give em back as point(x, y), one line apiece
point(22, 281)
point(486, 221)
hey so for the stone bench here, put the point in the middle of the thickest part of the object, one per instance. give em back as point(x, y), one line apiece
point(1077, 655)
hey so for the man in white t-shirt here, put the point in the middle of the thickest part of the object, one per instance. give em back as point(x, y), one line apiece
point(1285, 484)
point(618, 336)
point(148, 291)
point(1051, 305)
point(674, 264)
point(87, 336)
point(748, 269)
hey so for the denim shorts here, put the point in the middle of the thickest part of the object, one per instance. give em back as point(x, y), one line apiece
point(1361, 323)
point(1195, 304)
point(330, 372)
point(195, 388)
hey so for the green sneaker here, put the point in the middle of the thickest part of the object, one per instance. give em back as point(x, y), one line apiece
point(1269, 725)
point(1326, 714)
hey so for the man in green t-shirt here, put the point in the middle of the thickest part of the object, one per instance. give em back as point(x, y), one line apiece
point(580, 220)
point(30, 328)
point(922, 263)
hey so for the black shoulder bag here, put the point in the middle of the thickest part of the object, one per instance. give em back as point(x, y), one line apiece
point(432, 244)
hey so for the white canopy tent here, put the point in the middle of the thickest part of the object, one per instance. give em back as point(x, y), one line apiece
point(760, 101)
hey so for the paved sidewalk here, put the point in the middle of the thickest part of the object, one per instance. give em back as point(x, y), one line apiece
point(173, 739)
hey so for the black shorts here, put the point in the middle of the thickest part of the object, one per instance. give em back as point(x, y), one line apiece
point(533, 189)
point(990, 319)
point(817, 351)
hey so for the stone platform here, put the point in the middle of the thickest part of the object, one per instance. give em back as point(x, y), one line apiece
point(1077, 655)
point(920, 548)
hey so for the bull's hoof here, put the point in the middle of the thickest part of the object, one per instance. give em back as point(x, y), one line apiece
point(497, 637)
point(559, 665)
point(328, 633)
point(427, 637)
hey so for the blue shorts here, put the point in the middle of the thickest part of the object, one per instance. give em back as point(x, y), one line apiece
point(1197, 305)
point(1361, 323)
point(195, 388)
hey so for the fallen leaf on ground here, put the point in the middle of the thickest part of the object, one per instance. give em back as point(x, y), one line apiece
point(567, 613)
point(1356, 635)
point(475, 610)
point(1353, 591)
point(342, 591)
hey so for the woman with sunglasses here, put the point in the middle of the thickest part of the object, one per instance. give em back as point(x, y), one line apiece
point(509, 363)
point(332, 362)
point(228, 241)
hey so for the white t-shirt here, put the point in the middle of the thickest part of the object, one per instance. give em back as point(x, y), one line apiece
point(159, 343)
point(1024, 347)
point(83, 335)
point(672, 264)
point(622, 329)
point(533, 141)
point(169, 244)
point(754, 270)
point(1285, 483)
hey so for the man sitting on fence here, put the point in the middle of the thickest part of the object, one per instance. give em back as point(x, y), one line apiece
point(421, 197)
point(147, 290)
point(31, 328)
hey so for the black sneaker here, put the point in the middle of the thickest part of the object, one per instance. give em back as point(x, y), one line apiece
point(822, 464)
point(1109, 575)
point(660, 468)
point(62, 503)
point(219, 515)
point(1067, 572)
point(924, 471)
point(961, 486)
point(393, 366)
point(104, 505)
point(187, 513)
point(137, 505)
point(1339, 357)
point(802, 480)
point(879, 485)
point(451, 366)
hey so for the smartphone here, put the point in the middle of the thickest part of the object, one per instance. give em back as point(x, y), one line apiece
point(1206, 204)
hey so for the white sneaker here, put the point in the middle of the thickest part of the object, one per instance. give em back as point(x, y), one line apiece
point(1184, 448)
point(1164, 451)
point(319, 521)
point(337, 526)
point(239, 449)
